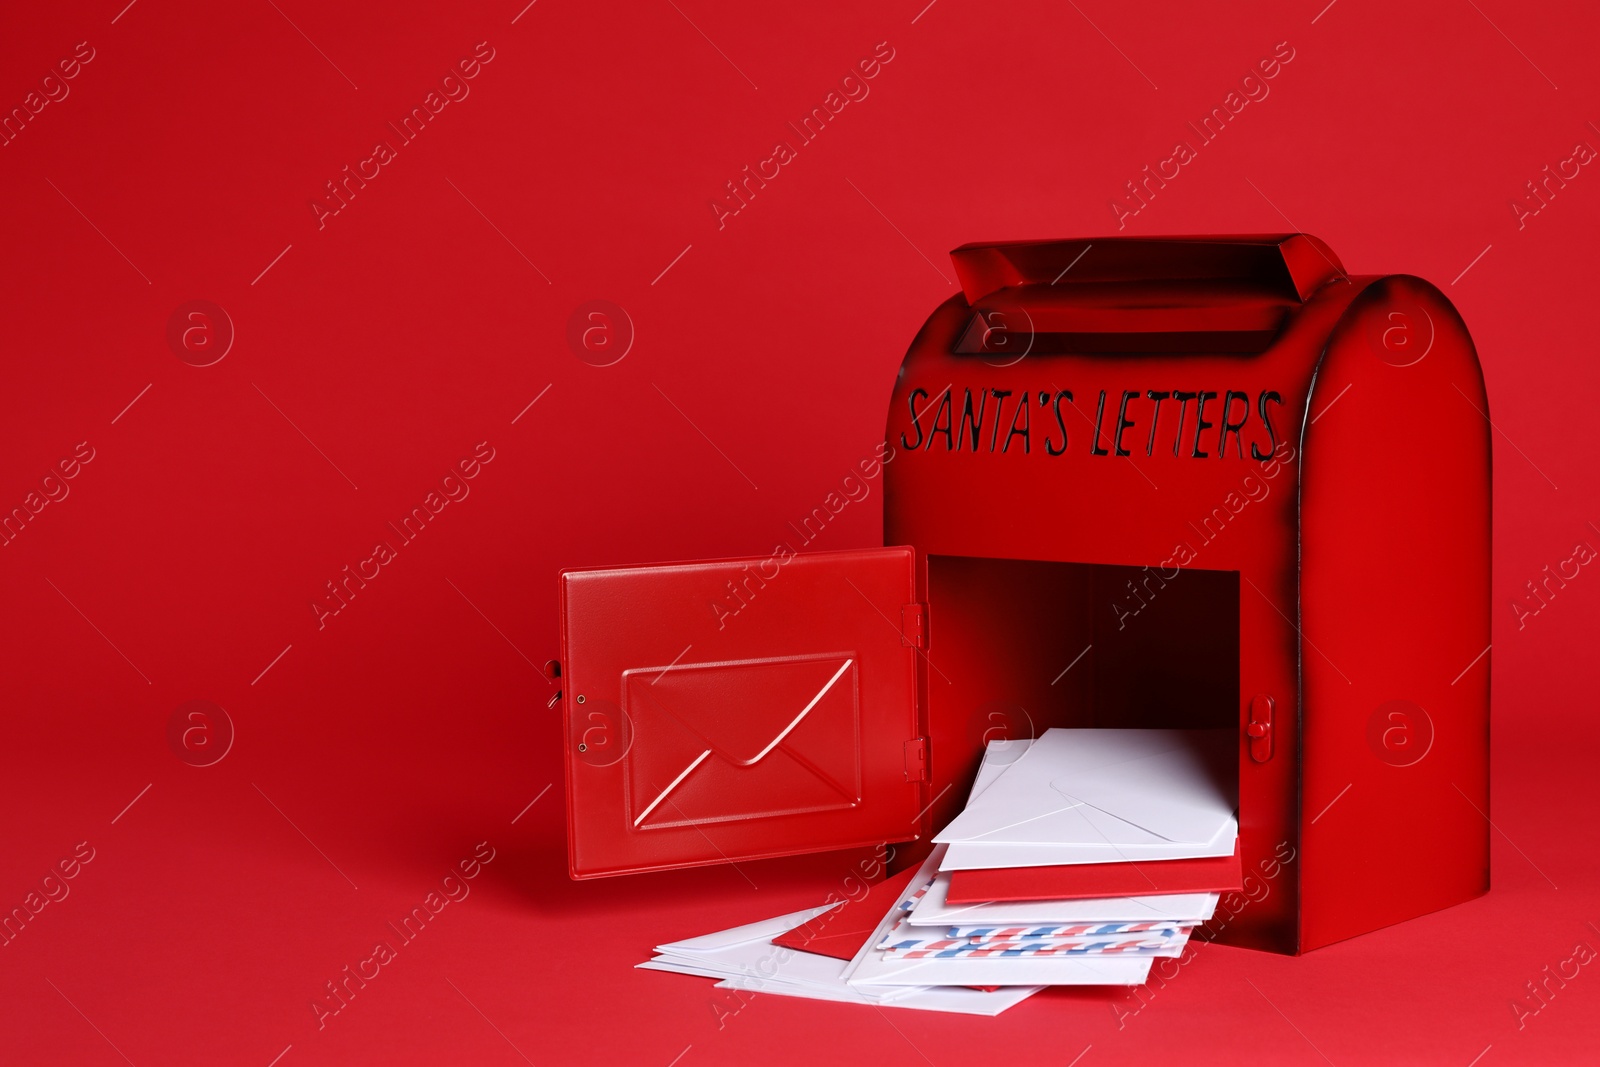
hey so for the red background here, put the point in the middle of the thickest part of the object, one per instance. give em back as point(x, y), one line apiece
point(377, 351)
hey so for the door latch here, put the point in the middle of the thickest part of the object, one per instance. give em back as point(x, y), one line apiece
point(1259, 729)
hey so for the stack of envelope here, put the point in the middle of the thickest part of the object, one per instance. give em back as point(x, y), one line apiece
point(1081, 858)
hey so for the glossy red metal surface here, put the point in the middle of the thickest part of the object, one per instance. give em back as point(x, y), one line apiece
point(1149, 482)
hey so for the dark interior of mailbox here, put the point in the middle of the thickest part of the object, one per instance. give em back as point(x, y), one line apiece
point(1019, 646)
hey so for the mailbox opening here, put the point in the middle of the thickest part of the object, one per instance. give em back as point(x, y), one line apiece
point(1019, 646)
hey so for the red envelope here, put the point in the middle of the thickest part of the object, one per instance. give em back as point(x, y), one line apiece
point(842, 931)
point(1078, 881)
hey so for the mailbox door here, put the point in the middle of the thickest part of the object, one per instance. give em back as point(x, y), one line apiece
point(738, 709)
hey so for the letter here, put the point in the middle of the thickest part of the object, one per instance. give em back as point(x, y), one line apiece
point(1099, 419)
point(60, 890)
point(1561, 968)
point(322, 212)
point(971, 421)
point(1234, 102)
point(459, 93)
point(68, 67)
point(361, 169)
point(454, 488)
point(1234, 498)
point(1548, 978)
point(1269, 68)
point(1186, 554)
point(1148, 178)
point(18, 918)
point(1161, 167)
point(1200, 423)
point(469, 867)
point(884, 53)
point(324, 1013)
point(1583, 952)
point(1266, 420)
point(59, 93)
point(1124, 614)
point(434, 502)
point(34, 902)
point(1551, 177)
point(722, 1012)
point(84, 52)
point(1257, 94)
point(434, 102)
point(1583, 552)
point(434, 902)
point(1285, 852)
point(854, 489)
point(323, 614)
point(384, 953)
point(1049, 447)
point(1548, 578)
point(859, 93)
point(1256, 489)
point(869, 68)
point(1271, 868)
point(34, 102)
point(1561, 168)
point(484, 851)
point(1133, 191)
point(783, 554)
point(69, 468)
point(1229, 426)
point(484, 451)
point(749, 193)
point(68, 867)
point(469, 68)
point(1284, 52)
point(944, 413)
point(1123, 422)
point(820, 117)
point(84, 453)
point(1121, 213)
point(348, 578)
point(723, 613)
point(348, 178)
point(1561, 569)
point(917, 425)
point(1185, 153)
point(854, 888)
point(1523, 613)
point(1583, 152)
point(384, 553)
point(1020, 413)
point(350, 994)
point(59, 493)
point(1183, 406)
point(361, 569)
point(783, 152)
point(1122, 1015)
point(1155, 418)
point(1218, 115)
point(469, 468)
point(19, 518)
point(1148, 576)
point(384, 153)
point(34, 502)
point(18, 119)
point(487, 54)
point(761, 169)
point(413, 524)
point(362, 971)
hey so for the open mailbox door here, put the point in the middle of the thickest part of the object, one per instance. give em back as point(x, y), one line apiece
point(741, 709)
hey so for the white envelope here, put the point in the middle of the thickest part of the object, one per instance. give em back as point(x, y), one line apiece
point(935, 910)
point(957, 1000)
point(1097, 796)
point(873, 967)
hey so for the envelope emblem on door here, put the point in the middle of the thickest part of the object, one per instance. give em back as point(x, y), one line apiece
point(743, 739)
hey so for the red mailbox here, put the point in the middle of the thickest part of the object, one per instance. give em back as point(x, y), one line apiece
point(1164, 482)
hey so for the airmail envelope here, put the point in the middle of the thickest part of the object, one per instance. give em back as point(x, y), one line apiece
point(873, 967)
point(1085, 796)
point(742, 740)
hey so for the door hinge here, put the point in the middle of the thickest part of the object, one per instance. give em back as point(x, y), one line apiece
point(917, 759)
point(914, 626)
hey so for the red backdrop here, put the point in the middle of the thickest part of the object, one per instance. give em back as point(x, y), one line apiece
point(170, 152)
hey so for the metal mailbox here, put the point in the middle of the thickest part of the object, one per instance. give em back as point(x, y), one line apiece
point(1164, 482)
